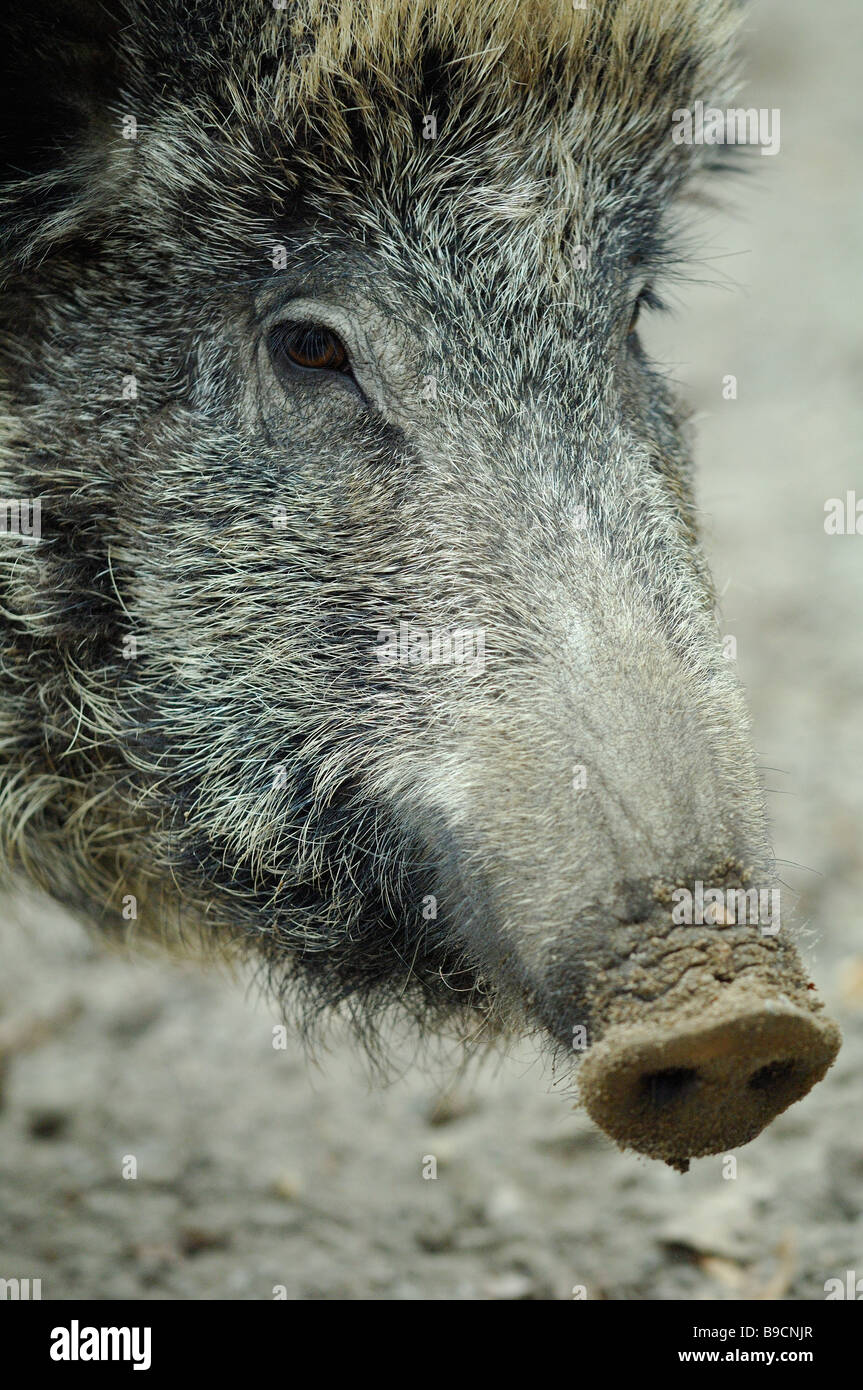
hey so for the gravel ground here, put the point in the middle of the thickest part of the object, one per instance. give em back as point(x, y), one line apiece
point(256, 1169)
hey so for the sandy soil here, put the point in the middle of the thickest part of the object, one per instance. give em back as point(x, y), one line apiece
point(256, 1170)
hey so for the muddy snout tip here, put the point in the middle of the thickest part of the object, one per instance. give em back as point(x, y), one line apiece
point(704, 1085)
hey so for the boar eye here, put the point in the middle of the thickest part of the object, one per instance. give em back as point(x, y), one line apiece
point(310, 346)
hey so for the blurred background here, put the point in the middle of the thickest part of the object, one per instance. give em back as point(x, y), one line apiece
point(256, 1169)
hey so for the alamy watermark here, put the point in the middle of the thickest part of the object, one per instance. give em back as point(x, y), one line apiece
point(850, 1287)
point(843, 516)
point(735, 126)
point(407, 645)
point(21, 516)
point(20, 1289)
point(725, 907)
point(77, 1343)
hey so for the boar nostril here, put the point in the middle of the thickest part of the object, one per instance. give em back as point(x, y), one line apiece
point(772, 1076)
point(675, 1083)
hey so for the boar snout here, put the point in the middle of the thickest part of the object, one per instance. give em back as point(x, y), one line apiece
point(631, 912)
point(703, 1037)
point(709, 1083)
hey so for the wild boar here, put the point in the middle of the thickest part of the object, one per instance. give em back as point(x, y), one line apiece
point(354, 610)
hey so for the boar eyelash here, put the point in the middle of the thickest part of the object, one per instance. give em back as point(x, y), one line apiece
point(649, 298)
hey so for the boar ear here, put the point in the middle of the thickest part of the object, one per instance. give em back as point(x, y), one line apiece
point(59, 75)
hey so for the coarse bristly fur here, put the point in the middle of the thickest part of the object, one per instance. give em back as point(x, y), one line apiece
point(508, 463)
